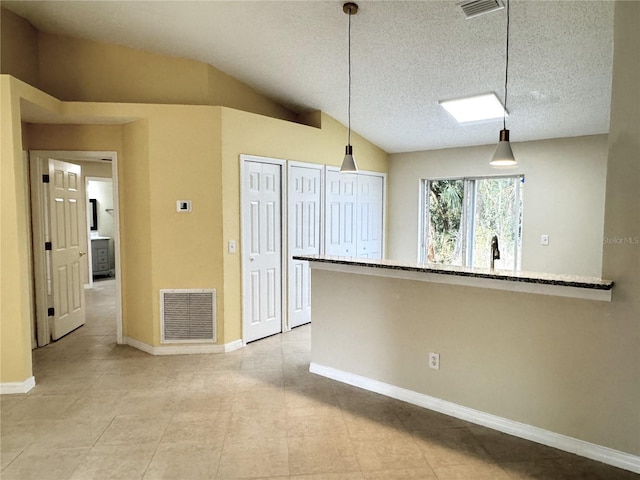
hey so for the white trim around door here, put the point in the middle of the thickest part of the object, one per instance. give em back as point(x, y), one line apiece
point(111, 156)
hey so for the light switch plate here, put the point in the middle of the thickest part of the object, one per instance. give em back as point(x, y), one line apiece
point(232, 246)
point(544, 239)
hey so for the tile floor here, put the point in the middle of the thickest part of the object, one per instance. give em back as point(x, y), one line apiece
point(105, 411)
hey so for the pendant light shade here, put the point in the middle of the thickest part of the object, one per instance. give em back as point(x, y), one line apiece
point(503, 156)
point(349, 163)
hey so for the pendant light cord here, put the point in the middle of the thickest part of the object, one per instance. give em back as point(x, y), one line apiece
point(506, 74)
point(349, 108)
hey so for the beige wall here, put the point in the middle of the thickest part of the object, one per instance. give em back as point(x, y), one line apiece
point(566, 365)
point(75, 69)
point(563, 197)
point(18, 48)
point(170, 152)
point(244, 133)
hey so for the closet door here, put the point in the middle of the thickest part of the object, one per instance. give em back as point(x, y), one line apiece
point(369, 216)
point(304, 222)
point(354, 214)
point(340, 224)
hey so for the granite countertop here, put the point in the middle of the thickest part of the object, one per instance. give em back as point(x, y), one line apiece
point(505, 275)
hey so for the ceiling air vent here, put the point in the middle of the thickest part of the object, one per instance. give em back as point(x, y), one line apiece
point(475, 8)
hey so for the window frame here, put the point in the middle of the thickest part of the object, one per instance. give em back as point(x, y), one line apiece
point(468, 216)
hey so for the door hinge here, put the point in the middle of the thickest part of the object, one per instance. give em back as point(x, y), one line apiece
point(48, 246)
point(51, 312)
point(45, 178)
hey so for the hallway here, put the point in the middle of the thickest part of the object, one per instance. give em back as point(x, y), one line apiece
point(106, 411)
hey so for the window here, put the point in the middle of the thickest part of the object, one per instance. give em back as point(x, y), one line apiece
point(461, 215)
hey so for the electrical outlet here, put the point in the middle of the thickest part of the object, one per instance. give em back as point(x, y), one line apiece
point(434, 361)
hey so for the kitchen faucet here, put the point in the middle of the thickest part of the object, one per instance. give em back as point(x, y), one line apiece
point(495, 253)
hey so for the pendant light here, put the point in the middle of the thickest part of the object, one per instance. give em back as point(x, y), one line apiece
point(349, 163)
point(503, 156)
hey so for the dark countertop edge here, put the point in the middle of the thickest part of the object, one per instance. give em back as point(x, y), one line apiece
point(605, 285)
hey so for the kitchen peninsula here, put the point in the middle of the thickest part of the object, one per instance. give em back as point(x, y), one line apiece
point(513, 347)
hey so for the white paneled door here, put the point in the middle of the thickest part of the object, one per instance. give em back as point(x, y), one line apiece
point(354, 214)
point(369, 202)
point(340, 223)
point(304, 213)
point(261, 249)
point(66, 222)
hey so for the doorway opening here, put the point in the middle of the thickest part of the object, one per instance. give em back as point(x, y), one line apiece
point(50, 279)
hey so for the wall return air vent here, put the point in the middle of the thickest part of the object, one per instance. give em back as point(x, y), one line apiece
point(188, 316)
point(474, 8)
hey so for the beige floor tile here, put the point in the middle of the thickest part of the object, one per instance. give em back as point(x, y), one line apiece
point(256, 412)
point(150, 402)
point(418, 418)
point(259, 398)
point(8, 456)
point(99, 404)
point(134, 430)
point(43, 407)
point(50, 464)
point(450, 446)
point(18, 435)
point(478, 471)
point(257, 424)
point(402, 474)
point(310, 397)
point(114, 463)
point(192, 461)
point(329, 476)
point(195, 402)
point(303, 346)
point(254, 459)
point(73, 433)
point(268, 346)
point(213, 382)
point(247, 379)
point(321, 454)
point(64, 384)
point(384, 455)
point(311, 421)
point(503, 447)
point(208, 428)
point(369, 425)
point(7, 402)
point(261, 362)
point(220, 362)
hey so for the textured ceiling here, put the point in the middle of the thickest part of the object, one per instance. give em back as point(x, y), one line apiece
point(406, 55)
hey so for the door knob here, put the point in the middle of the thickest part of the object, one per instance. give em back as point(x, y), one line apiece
point(83, 254)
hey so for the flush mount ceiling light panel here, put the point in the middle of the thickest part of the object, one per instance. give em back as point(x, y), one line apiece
point(475, 109)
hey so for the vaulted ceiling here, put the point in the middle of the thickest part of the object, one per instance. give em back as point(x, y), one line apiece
point(406, 56)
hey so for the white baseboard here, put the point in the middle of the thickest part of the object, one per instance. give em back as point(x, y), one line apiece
point(602, 454)
point(183, 349)
point(8, 388)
